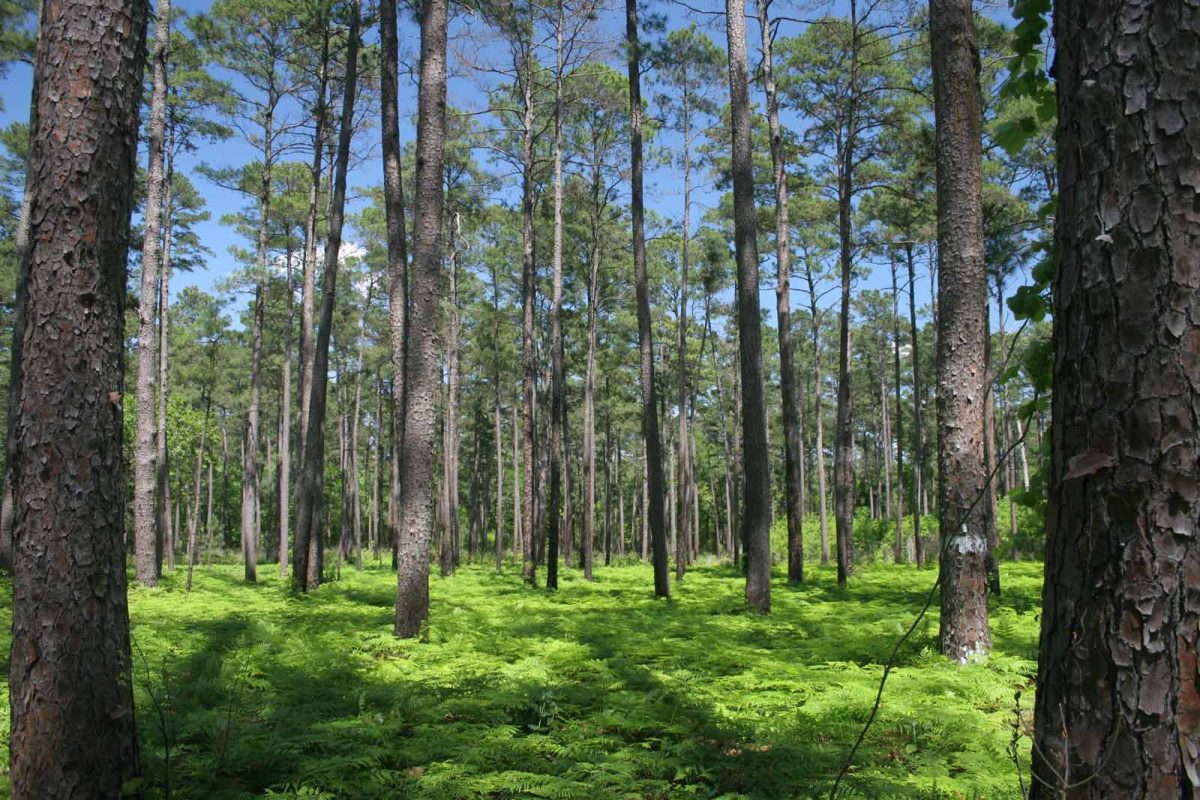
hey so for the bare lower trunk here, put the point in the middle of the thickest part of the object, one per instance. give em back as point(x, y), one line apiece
point(1117, 698)
point(415, 517)
point(145, 475)
point(962, 332)
point(793, 466)
point(654, 472)
point(306, 573)
point(756, 519)
point(71, 699)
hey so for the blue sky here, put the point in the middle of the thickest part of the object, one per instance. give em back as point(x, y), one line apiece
point(664, 189)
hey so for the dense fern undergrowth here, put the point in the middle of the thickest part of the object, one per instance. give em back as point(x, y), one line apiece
point(596, 691)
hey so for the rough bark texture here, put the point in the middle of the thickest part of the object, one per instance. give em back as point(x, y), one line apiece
point(397, 242)
point(756, 521)
point(416, 502)
point(656, 515)
point(528, 331)
point(793, 469)
point(1118, 703)
point(558, 385)
point(71, 699)
point(962, 331)
point(312, 462)
point(145, 477)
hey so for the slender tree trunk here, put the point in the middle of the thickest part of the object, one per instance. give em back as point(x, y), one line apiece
point(305, 573)
point(757, 515)
point(194, 521)
point(208, 515)
point(818, 413)
point(518, 539)
point(285, 429)
point(309, 288)
point(71, 699)
point(683, 523)
point(654, 472)
point(962, 332)
point(416, 523)
point(557, 380)
point(528, 343)
point(147, 542)
point(1117, 698)
point(164, 315)
point(899, 507)
point(793, 466)
point(918, 431)
point(452, 395)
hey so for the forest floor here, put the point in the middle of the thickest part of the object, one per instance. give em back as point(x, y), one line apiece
point(596, 691)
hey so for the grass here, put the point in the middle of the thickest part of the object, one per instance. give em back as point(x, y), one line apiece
point(595, 692)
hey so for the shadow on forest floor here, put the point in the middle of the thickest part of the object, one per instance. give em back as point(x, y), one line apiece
point(596, 691)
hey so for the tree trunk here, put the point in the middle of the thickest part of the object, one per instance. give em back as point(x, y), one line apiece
point(962, 332)
point(899, 507)
point(415, 517)
point(452, 395)
point(164, 315)
point(918, 431)
point(683, 523)
point(528, 332)
point(818, 394)
point(312, 461)
point(145, 476)
point(309, 288)
point(1117, 700)
point(285, 430)
point(757, 515)
point(656, 517)
point(71, 698)
point(793, 469)
point(194, 521)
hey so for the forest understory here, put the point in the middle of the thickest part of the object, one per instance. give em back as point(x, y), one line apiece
point(595, 691)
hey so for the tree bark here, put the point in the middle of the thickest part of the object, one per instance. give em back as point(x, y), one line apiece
point(71, 699)
point(164, 319)
point(528, 308)
point(1118, 706)
point(416, 517)
point(145, 477)
point(962, 332)
point(918, 431)
point(756, 519)
point(793, 466)
point(312, 462)
point(655, 516)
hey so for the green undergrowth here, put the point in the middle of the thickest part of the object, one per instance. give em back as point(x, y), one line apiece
point(596, 691)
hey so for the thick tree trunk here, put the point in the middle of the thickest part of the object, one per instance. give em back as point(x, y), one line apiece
point(793, 466)
point(71, 698)
point(756, 519)
point(306, 574)
point(962, 332)
point(1118, 701)
point(416, 517)
point(145, 475)
point(656, 516)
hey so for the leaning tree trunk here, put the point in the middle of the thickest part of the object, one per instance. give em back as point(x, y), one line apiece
point(962, 331)
point(416, 509)
point(145, 478)
point(71, 691)
point(655, 517)
point(793, 477)
point(756, 520)
point(1118, 706)
point(312, 461)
